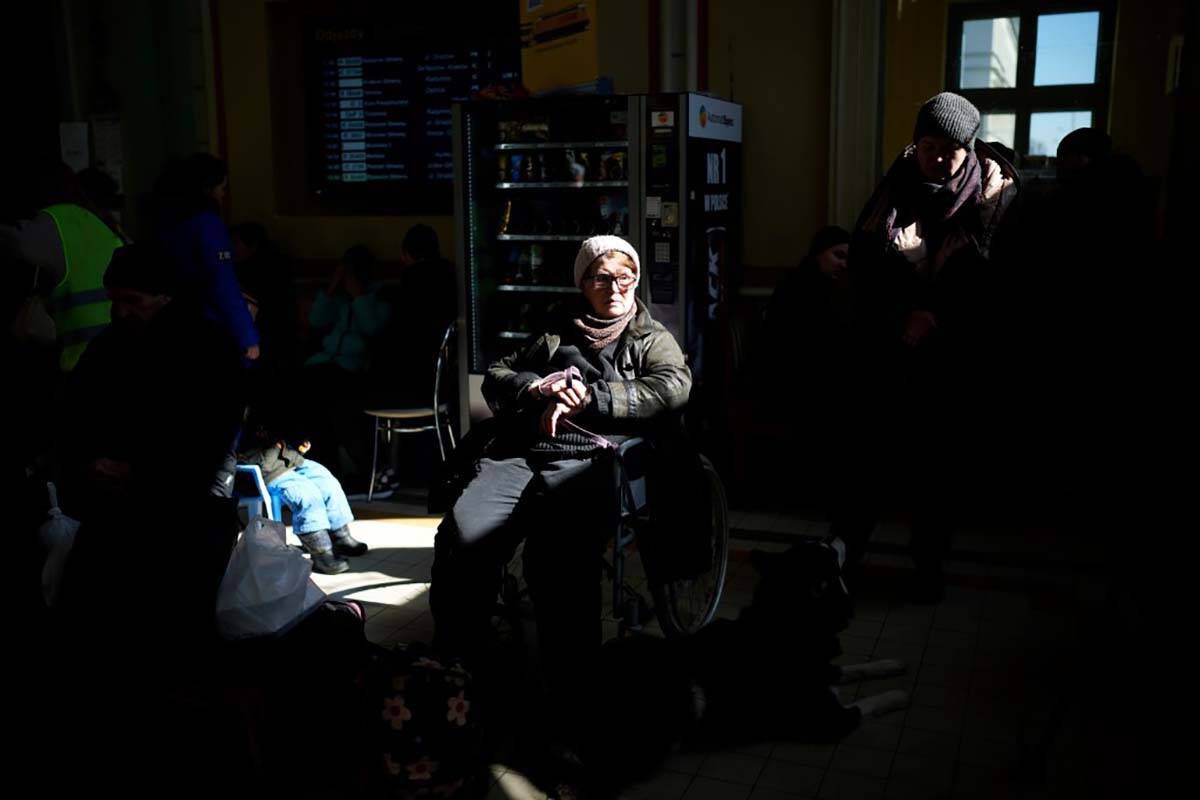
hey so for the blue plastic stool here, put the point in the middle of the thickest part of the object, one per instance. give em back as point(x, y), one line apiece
point(266, 498)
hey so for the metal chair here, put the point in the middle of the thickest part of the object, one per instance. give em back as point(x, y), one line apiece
point(434, 417)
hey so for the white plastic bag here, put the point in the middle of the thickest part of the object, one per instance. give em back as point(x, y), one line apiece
point(57, 535)
point(267, 586)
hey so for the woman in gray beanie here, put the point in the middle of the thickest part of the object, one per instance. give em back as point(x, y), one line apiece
point(606, 371)
point(919, 265)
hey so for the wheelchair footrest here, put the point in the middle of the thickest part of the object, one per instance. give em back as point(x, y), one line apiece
point(634, 610)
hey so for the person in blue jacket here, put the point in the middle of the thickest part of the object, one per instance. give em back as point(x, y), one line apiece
point(194, 237)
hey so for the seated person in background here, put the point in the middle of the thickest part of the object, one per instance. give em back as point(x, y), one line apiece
point(159, 363)
point(431, 278)
point(541, 480)
point(151, 411)
point(811, 305)
point(426, 290)
point(810, 350)
point(351, 314)
point(405, 358)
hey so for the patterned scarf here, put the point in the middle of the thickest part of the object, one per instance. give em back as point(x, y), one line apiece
point(600, 333)
point(904, 196)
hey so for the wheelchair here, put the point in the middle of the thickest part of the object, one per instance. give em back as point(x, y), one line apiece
point(681, 605)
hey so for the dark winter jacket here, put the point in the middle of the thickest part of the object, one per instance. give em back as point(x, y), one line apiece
point(640, 378)
point(273, 459)
point(167, 400)
point(918, 246)
point(651, 374)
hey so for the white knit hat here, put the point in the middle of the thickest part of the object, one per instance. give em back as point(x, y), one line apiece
point(597, 246)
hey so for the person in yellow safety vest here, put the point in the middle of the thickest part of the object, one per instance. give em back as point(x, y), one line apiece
point(79, 303)
point(69, 244)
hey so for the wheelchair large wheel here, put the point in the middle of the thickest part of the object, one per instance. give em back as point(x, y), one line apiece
point(686, 606)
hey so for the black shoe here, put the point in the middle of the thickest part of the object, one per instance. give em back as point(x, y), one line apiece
point(324, 559)
point(329, 564)
point(346, 545)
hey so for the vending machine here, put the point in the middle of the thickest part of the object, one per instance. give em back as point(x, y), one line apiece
point(534, 178)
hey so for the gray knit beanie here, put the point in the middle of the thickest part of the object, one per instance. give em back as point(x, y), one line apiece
point(950, 115)
point(597, 246)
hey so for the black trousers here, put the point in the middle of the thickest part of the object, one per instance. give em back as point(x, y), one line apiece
point(564, 511)
point(912, 444)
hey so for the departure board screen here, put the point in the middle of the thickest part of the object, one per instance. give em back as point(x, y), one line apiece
point(379, 99)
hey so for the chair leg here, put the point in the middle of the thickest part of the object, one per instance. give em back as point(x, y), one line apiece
point(374, 462)
point(437, 431)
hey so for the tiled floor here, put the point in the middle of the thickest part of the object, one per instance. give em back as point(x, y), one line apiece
point(985, 673)
point(392, 579)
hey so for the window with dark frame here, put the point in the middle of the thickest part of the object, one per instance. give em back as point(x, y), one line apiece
point(1035, 69)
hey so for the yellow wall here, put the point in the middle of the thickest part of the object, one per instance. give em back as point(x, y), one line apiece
point(244, 46)
point(914, 66)
point(774, 59)
point(1139, 111)
point(622, 28)
point(1141, 115)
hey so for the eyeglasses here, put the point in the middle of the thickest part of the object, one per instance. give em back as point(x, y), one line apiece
point(605, 281)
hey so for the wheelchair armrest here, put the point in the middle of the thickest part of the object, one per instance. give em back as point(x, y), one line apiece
point(631, 458)
point(631, 444)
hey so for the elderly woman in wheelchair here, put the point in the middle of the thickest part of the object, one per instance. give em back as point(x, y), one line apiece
point(564, 404)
